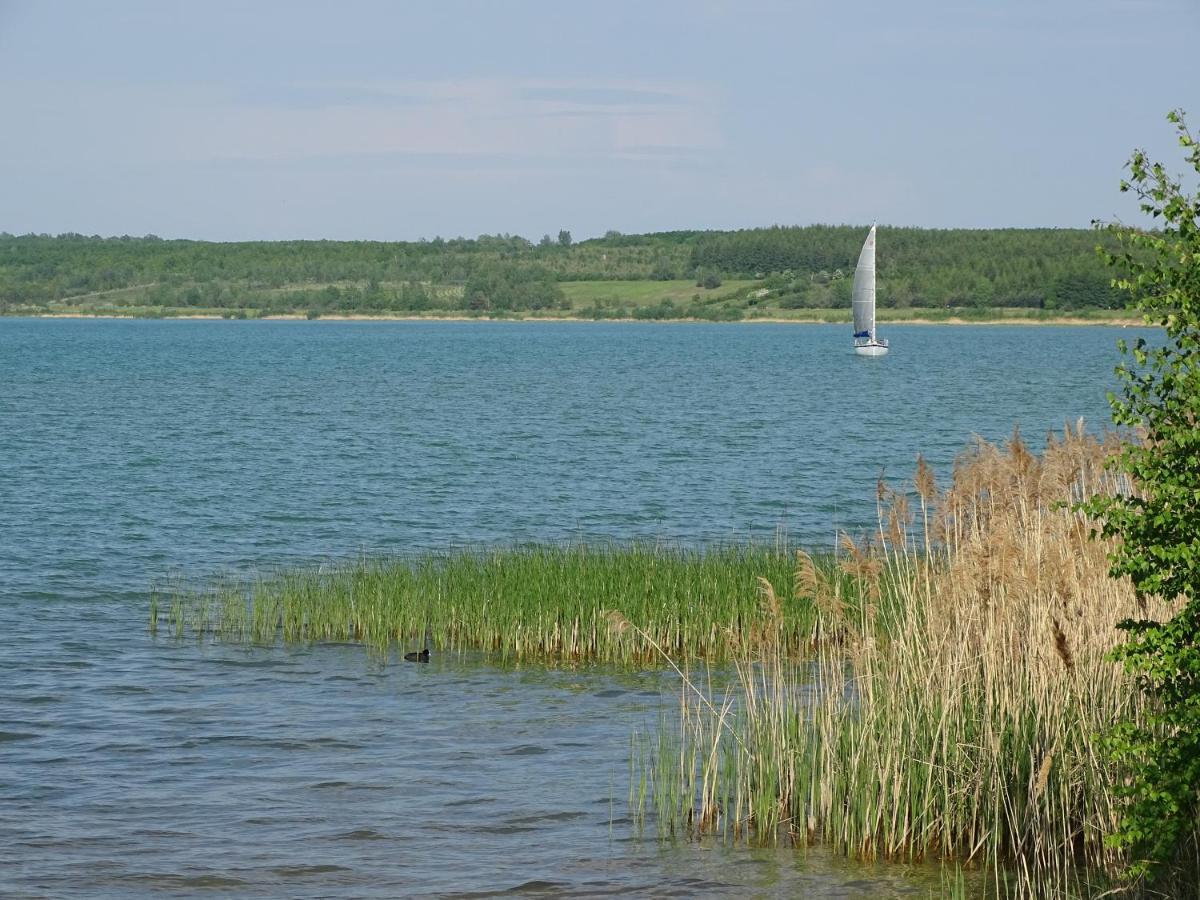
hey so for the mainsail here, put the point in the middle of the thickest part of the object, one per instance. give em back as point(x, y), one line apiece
point(864, 290)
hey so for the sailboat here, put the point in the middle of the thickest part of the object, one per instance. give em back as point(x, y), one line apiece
point(865, 341)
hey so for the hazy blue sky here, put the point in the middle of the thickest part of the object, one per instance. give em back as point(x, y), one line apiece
point(238, 120)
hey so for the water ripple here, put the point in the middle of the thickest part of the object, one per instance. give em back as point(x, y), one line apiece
point(142, 453)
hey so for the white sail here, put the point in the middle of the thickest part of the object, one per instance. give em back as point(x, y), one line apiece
point(866, 343)
point(864, 290)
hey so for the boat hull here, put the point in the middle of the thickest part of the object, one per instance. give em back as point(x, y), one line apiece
point(872, 349)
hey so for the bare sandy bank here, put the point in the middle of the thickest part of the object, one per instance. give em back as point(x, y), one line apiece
point(764, 320)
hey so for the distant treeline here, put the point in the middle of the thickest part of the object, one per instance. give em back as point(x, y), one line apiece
point(797, 267)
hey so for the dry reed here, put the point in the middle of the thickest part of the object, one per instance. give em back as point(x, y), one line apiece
point(957, 717)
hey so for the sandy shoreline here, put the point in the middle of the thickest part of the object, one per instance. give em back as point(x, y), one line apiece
point(765, 320)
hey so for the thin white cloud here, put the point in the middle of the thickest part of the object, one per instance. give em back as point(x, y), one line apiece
point(162, 124)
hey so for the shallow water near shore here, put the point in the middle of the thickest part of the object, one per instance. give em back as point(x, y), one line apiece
point(131, 452)
point(143, 768)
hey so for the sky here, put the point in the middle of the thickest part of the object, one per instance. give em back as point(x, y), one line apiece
point(405, 120)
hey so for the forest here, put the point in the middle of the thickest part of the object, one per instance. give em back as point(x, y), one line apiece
point(783, 268)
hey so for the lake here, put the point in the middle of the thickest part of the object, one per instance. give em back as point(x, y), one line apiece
point(132, 452)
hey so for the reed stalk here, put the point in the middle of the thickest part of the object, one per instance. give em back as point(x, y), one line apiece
point(550, 603)
point(954, 712)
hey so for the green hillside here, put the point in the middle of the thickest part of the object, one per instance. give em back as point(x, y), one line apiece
point(714, 275)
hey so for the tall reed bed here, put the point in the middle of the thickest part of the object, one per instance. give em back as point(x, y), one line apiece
point(955, 713)
point(543, 602)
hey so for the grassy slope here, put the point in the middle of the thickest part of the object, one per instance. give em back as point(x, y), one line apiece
point(647, 293)
point(611, 297)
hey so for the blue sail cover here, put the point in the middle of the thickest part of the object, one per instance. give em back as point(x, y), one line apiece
point(859, 334)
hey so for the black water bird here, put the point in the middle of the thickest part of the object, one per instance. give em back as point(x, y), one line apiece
point(420, 655)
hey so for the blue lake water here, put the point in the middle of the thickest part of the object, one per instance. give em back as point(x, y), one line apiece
point(131, 452)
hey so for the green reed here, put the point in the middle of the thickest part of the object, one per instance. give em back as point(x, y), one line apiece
point(955, 712)
point(540, 602)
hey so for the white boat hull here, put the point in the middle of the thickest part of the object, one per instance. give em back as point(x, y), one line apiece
point(872, 349)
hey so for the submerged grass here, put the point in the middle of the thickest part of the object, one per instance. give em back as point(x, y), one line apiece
point(542, 602)
point(954, 714)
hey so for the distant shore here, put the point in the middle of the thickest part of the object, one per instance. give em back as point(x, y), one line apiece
point(988, 318)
